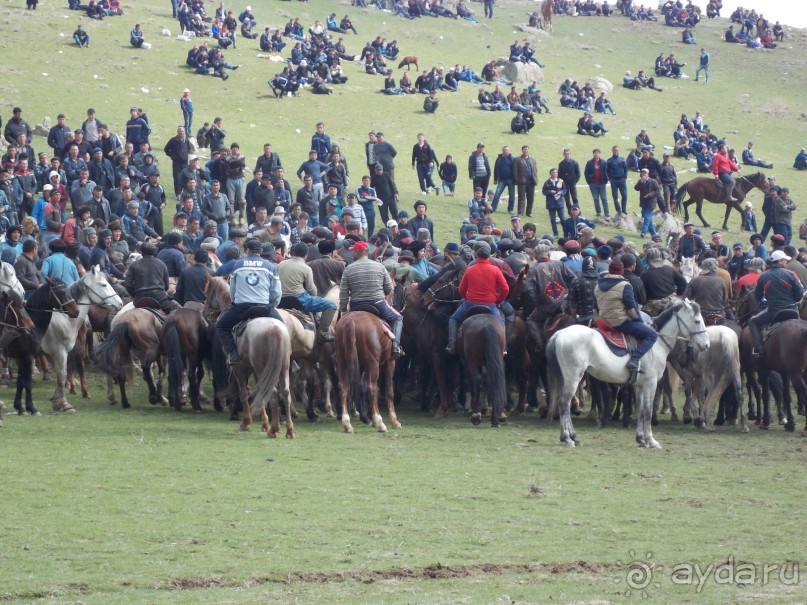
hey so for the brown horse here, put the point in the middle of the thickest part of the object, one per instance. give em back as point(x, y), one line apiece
point(186, 347)
point(135, 333)
point(546, 14)
point(20, 337)
point(705, 188)
point(363, 356)
point(480, 344)
point(785, 353)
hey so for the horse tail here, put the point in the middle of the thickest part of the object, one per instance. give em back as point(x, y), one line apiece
point(679, 197)
point(176, 363)
point(555, 377)
point(278, 354)
point(494, 367)
point(114, 353)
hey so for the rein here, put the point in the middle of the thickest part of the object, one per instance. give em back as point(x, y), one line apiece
point(433, 292)
point(670, 343)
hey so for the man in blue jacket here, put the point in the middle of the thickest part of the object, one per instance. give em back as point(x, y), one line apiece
point(616, 171)
point(503, 178)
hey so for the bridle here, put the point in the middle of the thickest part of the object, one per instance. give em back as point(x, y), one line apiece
point(692, 333)
point(449, 284)
point(61, 304)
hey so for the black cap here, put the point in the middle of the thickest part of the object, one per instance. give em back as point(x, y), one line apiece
point(253, 245)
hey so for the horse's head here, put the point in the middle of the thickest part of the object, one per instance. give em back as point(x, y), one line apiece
point(9, 281)
point(60, 298)
point(99, 290)
point(692, 325)
point(13, 311)
point(444, 290)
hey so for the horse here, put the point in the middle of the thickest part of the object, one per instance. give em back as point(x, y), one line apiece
point(8, 282)
point(134, 332)
point(705, 188)
point(60, 336)
point(265, 350)
point(575, 350)
point(21, 340)
point(546, 14)
point(786, 353)
point(709, 374)
point(363, 354)
point(480, 343)
point(185, 335)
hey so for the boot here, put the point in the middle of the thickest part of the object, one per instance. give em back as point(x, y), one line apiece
point(397, 326)
point(634, 363)
point(729, 190)
point(758, 347)
point(453, 328)
point(509, 326)
point(324, 325)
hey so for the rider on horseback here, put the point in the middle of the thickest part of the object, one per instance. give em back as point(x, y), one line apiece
point(147, 278)
point(722, 167)
point(297, 280)
point(782, 290)
point(618, 307)
point(253, 283)
point(482, 285)
point(366, 282)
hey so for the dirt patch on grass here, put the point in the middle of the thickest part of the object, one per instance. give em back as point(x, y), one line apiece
point(193, 583)
point(438, 571)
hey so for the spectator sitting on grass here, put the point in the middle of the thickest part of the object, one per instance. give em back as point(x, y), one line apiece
point(136, 36)
point(81, 37)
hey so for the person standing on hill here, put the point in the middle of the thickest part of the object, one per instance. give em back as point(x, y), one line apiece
point(703, 65)
point(186, 105)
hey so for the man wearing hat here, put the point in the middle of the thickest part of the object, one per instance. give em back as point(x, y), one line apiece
point(178, 148)
point(57, 265)
point(174, 258)
point(387, 191)
point(782, 290)
point(420, 220)
point(253, 283)
point(709, 291)
point(99, 206)
point(479, 168)
point(81, 189)
point(147, 278)
point(135, 227)
point(101, 171)
point(366, 282)
point(738, 263)
point(690, 246)
point(52, 217)
point(193, 172)
point(190, 292)
point(137, 129)
point(617, 305)
point(663, 284)
point(783, 208)
point(297, 280)
point(482, 284)
point(25, 268)
point(235, 240)
point(316, 169)
point(99, 255)
point(57, 135)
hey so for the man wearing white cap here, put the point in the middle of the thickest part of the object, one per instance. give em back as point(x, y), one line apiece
point(782, 290)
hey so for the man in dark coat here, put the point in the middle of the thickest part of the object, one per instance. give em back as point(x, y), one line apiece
point(148, 278)
point(178, 148)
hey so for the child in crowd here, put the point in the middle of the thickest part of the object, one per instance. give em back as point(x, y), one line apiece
point(448, 174)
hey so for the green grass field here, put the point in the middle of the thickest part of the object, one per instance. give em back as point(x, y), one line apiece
point(149, 506)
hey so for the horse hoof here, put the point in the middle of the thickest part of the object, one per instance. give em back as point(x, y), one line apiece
point(698, 423)
point(674, 418)
point(197, 411)
point(38, 413)
point(382, 428)
point(576, 411)
point(271, 435)
point(476, 419)
point(396, 425)
point(46, 377)
point(790, 427)
point(571, 443)
point(289, 434)
point(243, 429)
point(654, 421)
point(312, 416)
point(765, 426)
point(687, 420)
point(653, 444)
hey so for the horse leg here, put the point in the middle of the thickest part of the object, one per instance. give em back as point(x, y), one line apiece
point(284, 394)
point(688, 404)
point(373, 375)
point(765, 424)
point(58, 399)
point(154, 396)
point(628, 397)
point(243, 397)
point(85, 392)
point(344, 390)
point(110, 390)
point(644, 413)
point(698, 209)
point(389, 371)
point(729, 208)
point(565, 392)
point(801, 393)
point(788, 420)
point(124, 400)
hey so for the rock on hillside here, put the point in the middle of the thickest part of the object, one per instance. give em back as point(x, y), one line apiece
point(524, 73)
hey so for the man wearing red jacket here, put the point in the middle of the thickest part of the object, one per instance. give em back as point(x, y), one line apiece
point(722, 167)
point(483, 284)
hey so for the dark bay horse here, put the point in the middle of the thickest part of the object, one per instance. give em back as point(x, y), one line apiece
point(363, 355)
point(185, 334)
point(21, 339)
point(480, 344)
point(786, 353)
point(704, 188)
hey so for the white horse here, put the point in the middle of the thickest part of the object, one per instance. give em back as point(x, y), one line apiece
point(60, 337)
point(576, 350)
point(9, 281)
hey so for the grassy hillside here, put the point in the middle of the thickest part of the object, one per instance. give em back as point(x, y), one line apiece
point(752, 95)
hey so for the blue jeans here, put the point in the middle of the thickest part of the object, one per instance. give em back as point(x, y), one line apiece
point(425, 177)
point(766, 228)
point(449, 185)
point(702, 68)
point(620, 187)
point(462, 311)
point(647, 221)
point(188, 118)
point(637, 329)
point(315, 304)
point(223, 231)
point(553, 214)
point(235, 191)
point(510, 184)
point(599, 193)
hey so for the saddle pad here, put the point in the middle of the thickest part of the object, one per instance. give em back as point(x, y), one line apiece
point(156, 312)
point(303, 318)
point(384, 324)
point(619, 343)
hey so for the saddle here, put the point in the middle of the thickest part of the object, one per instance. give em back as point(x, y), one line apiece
point(478, 310)
point(251, 313)
point(783, 315)
point(153, 306)
point(290, 302)
point(619, 343)
point(306, 319)
point(368, 308)
point(713, 319)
